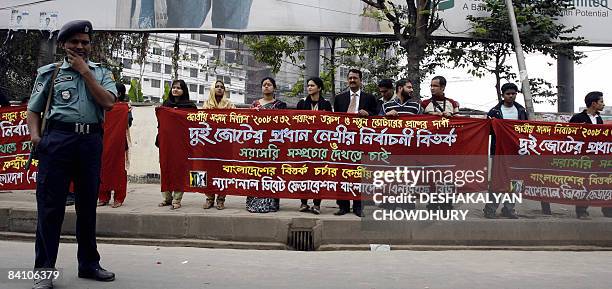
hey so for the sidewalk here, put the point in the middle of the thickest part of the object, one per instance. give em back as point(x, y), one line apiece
point(140, 220)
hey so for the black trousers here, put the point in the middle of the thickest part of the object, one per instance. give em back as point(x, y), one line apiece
point(346, 204)
point(65, 157)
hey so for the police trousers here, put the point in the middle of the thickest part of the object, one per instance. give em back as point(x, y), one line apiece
point(65, 157)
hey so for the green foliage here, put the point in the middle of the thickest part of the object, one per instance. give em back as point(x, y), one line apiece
point(538, 32)
point(18, 62)
point(297, 88)
point(274, 50)
point(377, 57)
point(166, 92)
point(135, 92)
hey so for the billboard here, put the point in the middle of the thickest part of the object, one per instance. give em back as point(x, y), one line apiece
point(295, 16)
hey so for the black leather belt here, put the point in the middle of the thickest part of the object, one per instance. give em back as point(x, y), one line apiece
point(75, 127)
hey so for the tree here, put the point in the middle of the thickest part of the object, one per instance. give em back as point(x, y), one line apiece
point(273, 50)
point(538, 30)
point(135, 93)
point(18, 62)
point(413, 25)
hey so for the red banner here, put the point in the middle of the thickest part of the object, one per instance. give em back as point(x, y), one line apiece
point(15, 148)
point(306, 154)
point(554, 162)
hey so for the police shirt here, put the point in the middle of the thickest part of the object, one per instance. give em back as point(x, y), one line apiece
point(72, 101)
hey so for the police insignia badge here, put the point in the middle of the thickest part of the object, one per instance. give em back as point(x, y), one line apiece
point(39, 87)
point(66, 94)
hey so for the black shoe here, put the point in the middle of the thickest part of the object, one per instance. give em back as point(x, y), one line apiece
point(583, 215)
point(98, 274)
point(510, 214)
point(358, 213)
point(489, 214)
point(43, 284)
point(341, 212)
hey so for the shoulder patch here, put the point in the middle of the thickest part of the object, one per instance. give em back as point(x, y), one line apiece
point(46, 68)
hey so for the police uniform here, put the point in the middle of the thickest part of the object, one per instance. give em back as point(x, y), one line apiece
point(70, 149)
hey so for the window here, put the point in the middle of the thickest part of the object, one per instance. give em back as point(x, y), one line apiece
point(230, 57)
point(216, 53)
point(168, 53)
point(193, 72)
point(201, 89)
point(167, 69)
point(156, 67)
point(194, 37)
point(193, 87)
point(227, 80)
point(127, 63)
point(155, 83)
point(194, 57)
point(157, 51)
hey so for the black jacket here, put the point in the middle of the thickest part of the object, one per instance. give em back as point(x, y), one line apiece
point(496, 111)
point(367, 102)
point(306, 104)
point(583, 117)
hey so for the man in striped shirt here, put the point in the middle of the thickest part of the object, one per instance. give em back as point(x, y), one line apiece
point(404, 103)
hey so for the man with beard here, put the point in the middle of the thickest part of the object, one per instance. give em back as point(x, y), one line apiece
point(404, 103)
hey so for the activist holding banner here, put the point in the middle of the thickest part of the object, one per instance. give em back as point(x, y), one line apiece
point(267, 101)
point(73, 96)
point(440, 105)
point(117, 150)
point(178, 97)
point(594, 104)
point(217, 99)
point(363, 104)
point(567, 163)
point(313, 101)
point(508, 108)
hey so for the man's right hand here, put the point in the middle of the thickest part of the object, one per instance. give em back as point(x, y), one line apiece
point(35, 140)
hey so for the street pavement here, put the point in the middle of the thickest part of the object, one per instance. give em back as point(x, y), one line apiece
point(143, 199)
point(139, 267)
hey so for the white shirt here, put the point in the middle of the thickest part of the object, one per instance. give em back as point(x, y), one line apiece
point(351, 93)
point(593, 118)
point(509, 112)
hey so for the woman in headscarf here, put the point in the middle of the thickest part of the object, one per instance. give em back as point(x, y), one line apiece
point(218, 98)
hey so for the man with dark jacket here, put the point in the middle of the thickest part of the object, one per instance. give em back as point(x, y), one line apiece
point(594, 103)
point(362, 103)
point(508, 108)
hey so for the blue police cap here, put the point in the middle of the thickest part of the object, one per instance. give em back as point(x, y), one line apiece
point(73, 27)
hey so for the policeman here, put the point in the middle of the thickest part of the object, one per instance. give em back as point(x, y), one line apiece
point(70, 149)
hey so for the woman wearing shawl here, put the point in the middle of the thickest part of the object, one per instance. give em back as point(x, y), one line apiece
point(217, 99)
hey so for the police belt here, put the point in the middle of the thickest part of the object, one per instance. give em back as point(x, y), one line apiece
point(75, 127)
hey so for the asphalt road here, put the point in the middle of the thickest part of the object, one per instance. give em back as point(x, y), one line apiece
point(183, 267)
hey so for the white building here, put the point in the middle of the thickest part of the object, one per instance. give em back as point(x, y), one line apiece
point(201, 63)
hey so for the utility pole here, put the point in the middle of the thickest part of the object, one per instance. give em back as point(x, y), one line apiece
point(565, 83)
point(520, 57)
point(313, 46)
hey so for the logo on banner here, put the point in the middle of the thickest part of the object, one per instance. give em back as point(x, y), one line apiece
point(197, 179)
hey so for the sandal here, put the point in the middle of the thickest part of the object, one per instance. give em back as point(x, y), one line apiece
point(117, 204)
point(175, 206)
point(164, 203)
